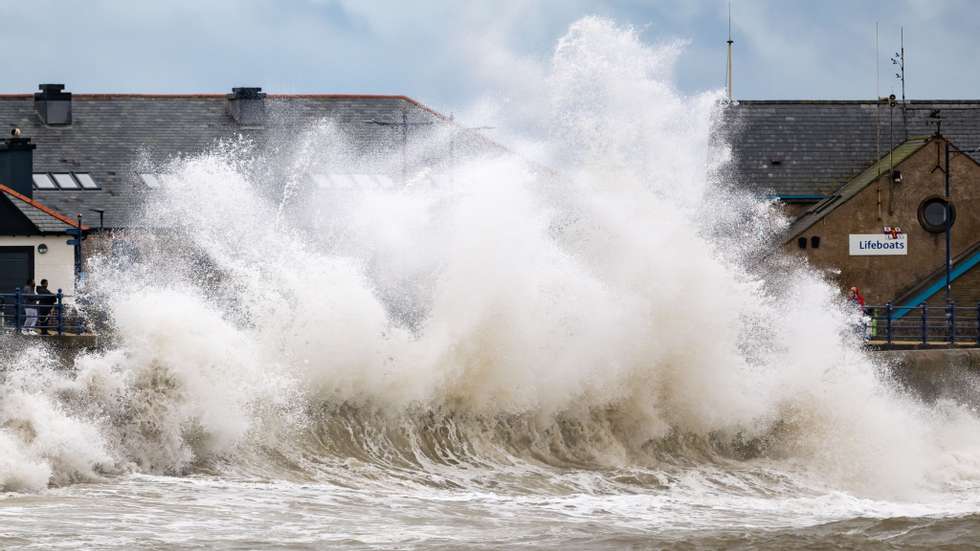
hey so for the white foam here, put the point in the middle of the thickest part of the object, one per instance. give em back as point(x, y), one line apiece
point(512, 293)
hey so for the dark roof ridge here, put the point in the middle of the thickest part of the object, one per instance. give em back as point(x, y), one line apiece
point(112, 95)
point(851, 101)
point(209, 95)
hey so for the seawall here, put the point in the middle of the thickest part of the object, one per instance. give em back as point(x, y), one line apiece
point(937, 373)
point(66, 347)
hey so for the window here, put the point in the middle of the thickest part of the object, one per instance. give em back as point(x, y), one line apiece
point(86, 181)
point(43, 181)
point(151, 181)
point(70, 181)
point(815, 242)
point(65, 181)
point(932, 214)
point(801, 242)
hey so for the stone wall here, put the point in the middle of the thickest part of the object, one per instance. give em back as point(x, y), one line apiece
point(932, 374)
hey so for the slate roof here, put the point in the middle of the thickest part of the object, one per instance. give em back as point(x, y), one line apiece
point(111, 135)
point(817, 146)
point(45, 219)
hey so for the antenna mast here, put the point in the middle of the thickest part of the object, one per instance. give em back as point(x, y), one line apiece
point(730, 42)
point(878, 120)
point(905, 121)
point(877, 98)
point(902, 44)
point(899, 60)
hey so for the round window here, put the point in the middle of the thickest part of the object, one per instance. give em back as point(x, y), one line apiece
point(932, 214)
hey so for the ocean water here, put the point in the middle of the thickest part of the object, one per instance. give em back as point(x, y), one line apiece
point(604, 356)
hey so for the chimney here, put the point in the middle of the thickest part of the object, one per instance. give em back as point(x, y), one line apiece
point(17, 164)
point(247, 106)
point(53, 105)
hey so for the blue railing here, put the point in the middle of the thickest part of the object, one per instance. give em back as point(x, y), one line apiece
point(961, 268)
point(25, 313)
point(922, 325)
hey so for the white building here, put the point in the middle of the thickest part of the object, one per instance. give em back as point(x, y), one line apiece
point(33, 237)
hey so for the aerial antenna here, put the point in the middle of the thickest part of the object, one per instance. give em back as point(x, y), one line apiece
point(878, 118)
point(899, 60)
point(730, 42)
point(877, 67)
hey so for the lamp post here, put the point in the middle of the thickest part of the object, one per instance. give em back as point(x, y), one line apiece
point(78, 249)
point(949, 224)
point(948, 153)
point(936, 114)
point(101, 213)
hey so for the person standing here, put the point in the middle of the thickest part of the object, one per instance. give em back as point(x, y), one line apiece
point(864, 326)
point(30, 308)
point(45, 301)
point(857, 298)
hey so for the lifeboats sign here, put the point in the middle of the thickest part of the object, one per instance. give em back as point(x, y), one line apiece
point(876, 244)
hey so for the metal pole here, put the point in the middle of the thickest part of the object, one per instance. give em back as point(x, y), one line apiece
point(978, 324)
point(905, 123)
point(18, 309)
point(949, 225)
point(730, 42)
point(891, 154)
point(925, 327)
point(61, 316)
point(404, 147)
point(951, 325)
point(888, 326)
point(78, 250)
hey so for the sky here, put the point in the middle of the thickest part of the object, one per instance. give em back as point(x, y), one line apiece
point(449, 54)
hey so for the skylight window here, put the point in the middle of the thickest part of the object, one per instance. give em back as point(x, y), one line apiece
point(65, 181)
point(86, 181)
point(43, 181)
point(151, 181)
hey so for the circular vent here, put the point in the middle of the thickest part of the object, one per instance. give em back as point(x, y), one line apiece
point(932, 214)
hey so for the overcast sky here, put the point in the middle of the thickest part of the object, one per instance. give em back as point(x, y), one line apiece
point(449, 54)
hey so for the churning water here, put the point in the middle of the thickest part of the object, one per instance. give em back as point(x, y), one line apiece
point(604, 357)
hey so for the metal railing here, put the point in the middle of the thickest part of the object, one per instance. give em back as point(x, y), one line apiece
point(39, 313)
point(922, 325)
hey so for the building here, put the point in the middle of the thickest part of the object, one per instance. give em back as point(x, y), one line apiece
point(838, 168)
point(99, 155)
point(904, 191)
point(33, 237)
point(108, 145)
point(864, 185)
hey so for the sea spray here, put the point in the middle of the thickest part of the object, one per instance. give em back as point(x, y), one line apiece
point(614, 323)
point(43, 438)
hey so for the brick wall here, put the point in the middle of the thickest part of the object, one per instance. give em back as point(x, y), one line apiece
point(965, 291)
